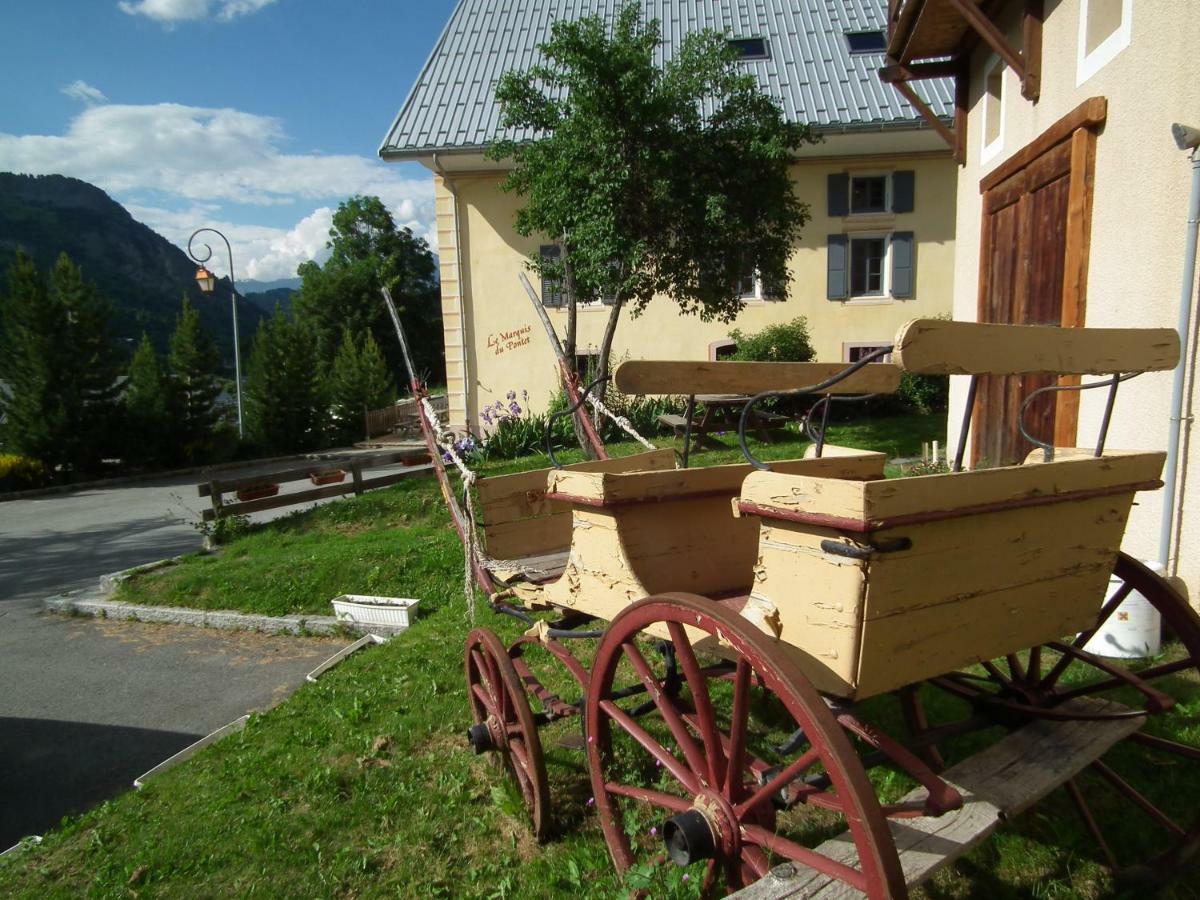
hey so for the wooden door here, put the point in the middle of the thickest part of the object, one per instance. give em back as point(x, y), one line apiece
point(1033, 271)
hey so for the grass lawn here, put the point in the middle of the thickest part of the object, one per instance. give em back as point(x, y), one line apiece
point(362, 784)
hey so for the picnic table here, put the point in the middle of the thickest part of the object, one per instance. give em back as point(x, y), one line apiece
point(720, 412)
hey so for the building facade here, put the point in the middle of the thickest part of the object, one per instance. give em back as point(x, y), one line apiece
point(878, 250)
point(1072, 203)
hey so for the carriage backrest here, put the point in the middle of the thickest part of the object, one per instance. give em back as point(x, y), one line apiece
point(940, 347)
point(687, 377)
point(518, 520)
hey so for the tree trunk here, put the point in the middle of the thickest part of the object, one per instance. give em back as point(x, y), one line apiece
point(610, 330)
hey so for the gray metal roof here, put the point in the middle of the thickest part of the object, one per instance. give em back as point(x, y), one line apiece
point(810, 70)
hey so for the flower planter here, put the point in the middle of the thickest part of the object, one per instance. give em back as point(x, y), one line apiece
point(257, 491)
point(331, 476)
point(365, 610)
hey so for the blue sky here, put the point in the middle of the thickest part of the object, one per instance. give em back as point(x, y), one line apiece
point(256, 117)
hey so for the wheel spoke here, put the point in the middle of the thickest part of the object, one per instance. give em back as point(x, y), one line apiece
point(785, 777)
point(704, 709)
point(1015, 668)
point(1033, 671)
point(653, 747)
point(1165, 745)
point(1106, 611)
point(737, 730)
point(1089, 820)
point(649, 795)
point(1156, 700)
point(487, 700)
point(756, 834)
point(670, 714)
point(1137, 799)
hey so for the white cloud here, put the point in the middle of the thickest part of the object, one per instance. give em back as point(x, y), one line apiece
point(198, 158)
point(171, 11)
point(84, 93)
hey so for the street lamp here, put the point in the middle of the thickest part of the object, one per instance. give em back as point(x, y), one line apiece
point(207, 283)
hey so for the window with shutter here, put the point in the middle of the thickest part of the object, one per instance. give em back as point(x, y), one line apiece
point(552, 292)
point(838, 189)
point(903, 268)
point(836, 287)
point(903, 191)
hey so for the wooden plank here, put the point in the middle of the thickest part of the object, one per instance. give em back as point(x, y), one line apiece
point(877, 503)
point(939, 347)
point(604, 488)
point(997, 784)
point(684, 378)
point(301, 473)
point(321, 493)
point(1031, 50)
point(528, 537)
point(505, 498)
point(1088, 114)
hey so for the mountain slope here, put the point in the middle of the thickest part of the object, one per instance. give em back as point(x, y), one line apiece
point(142, 273)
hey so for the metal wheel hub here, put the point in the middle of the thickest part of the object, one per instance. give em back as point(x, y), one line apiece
point(708, 830)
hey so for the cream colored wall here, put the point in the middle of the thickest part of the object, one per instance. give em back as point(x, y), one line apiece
point(1138, 218)
point(507, 348)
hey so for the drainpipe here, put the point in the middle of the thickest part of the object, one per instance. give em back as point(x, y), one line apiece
point(462, 323)
point(1187, 139)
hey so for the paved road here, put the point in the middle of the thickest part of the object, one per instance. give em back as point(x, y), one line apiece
point(86, 706)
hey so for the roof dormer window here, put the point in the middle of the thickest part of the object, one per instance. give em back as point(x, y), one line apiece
point(751, 48)
point(865, 41)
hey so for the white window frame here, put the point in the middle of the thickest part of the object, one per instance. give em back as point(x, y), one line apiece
point(989, 151)
point(885, 274)
point(847, 346)
point(887, 194)
point(716, 346)
point(1090, 63)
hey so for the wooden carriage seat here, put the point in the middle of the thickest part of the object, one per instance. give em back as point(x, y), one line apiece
point(640, 533)
point(522, 526)
point(878, 584)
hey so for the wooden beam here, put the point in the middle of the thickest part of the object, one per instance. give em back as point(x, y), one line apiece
point(987, 29)
point(1088, 114)
point(947, 68)
point(928, 114)
point(645, 376)
point(1031, 38)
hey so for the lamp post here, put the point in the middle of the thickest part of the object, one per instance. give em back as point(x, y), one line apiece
point(208, 283)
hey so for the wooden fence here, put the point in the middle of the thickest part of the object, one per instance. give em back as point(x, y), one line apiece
point(259, 492)
point(400, 417)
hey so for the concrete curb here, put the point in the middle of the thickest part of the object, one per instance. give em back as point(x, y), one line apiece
point(192, 749)
point(201, 618)
point(365, 641)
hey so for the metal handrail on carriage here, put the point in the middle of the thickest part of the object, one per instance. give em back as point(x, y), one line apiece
point(678, 684)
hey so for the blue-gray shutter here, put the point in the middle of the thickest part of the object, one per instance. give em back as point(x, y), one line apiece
point(903, 191)
point(903, 259)
point(552, 293)
point(836, 283)
point(839, 194)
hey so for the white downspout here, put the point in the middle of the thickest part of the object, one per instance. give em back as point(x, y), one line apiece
point(1187, 139)
point(462, 318)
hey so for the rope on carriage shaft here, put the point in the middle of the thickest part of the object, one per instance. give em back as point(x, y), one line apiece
point(622, 422)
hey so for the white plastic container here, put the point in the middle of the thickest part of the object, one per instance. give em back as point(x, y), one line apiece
point(1134, 630)
point(366, 610)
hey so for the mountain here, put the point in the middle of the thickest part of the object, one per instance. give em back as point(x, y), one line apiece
point(249, 286)
point(267, 300)
point(142, 273)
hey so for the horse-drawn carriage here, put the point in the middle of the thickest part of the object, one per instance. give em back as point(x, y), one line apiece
point(795, 651)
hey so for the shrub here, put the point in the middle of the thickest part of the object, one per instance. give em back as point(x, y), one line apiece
point(19, 473)
point(924, 393)
point(786, 342)
point(510, 430)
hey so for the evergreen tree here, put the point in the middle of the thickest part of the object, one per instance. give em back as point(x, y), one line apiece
point(286, 407)
point(358, 382)
point(192, 363)
point(60, 365)
point(147, 401)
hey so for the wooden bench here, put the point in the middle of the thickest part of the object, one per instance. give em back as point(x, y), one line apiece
point(677, 424)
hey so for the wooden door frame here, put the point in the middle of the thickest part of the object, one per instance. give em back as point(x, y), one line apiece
point(1078, 127)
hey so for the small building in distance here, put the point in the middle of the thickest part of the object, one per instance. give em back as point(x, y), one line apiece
point(878, 251)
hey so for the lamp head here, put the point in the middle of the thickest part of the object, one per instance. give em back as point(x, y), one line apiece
point(1186, 138)
point(206, 280)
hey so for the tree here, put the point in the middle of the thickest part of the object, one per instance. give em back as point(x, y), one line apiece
point(147, 401)
point(358, 382)
point(61, 366)
point(286, 410)
point(192, 364)
point(370, 252)
point(670, 180)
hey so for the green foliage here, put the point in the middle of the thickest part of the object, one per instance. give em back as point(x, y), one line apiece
point(148, 402)
point(19, 473)
point(656, 180)
point(286, 408)
point(368, 253)
point(358, 382)
point(192, 366)
point(60, 364)
point(785, 342)
point(924, 393)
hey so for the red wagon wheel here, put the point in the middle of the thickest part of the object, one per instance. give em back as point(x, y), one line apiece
point(731, 776)
point(1142, 778)
point(505, 724)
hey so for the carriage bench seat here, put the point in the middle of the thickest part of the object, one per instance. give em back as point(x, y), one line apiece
point(640, 533)
point(880, 584)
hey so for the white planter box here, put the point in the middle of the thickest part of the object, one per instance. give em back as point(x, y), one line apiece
point(366, 610)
